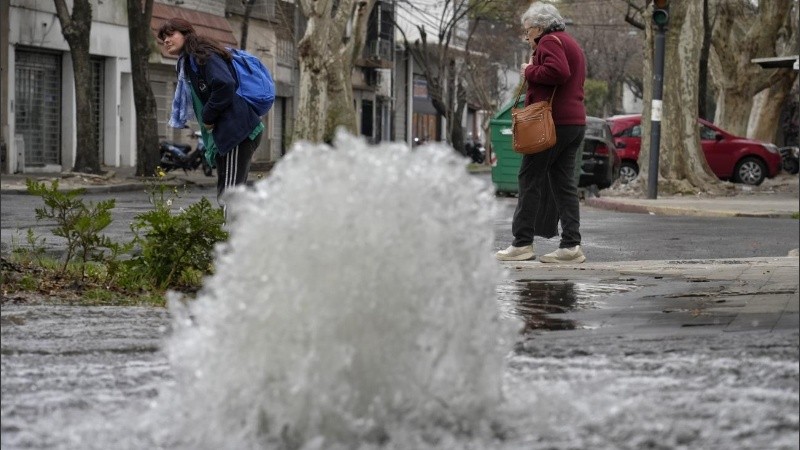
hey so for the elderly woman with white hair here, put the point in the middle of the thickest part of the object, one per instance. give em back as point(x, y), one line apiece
point(547, 188)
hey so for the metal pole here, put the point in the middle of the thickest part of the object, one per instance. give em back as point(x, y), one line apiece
point(655, 114)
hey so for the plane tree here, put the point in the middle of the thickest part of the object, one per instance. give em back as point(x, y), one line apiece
point(76, 28)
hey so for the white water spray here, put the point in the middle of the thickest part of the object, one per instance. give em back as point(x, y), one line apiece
point(354, 306)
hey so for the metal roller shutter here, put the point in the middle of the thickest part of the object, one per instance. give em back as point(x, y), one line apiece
point(37, 109)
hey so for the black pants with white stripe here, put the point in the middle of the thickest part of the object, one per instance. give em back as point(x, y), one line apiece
point(233, 167)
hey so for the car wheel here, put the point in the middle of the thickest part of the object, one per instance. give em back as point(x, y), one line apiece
point(750, 171)
point(628, 171)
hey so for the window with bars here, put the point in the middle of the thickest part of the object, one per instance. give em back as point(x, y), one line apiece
point(262, 9)
point(286, 52)
point(163, 101)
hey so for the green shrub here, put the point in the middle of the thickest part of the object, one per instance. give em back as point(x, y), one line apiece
point(595, 92)
point(175, 248)
point(80, 224)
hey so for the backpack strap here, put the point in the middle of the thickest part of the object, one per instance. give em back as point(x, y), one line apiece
point(232, 67)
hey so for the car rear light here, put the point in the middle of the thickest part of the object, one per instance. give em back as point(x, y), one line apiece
point(601, 150)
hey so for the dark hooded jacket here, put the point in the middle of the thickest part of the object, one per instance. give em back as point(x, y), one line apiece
point(215, 85)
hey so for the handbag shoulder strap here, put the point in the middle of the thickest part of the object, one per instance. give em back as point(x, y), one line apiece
point(525, 81)
point(519, 91)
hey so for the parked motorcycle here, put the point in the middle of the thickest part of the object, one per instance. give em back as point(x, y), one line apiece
point(474, 149)
point(182, 156)
point(790, 157)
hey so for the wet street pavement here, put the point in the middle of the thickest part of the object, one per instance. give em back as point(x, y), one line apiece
point(675, 354)
point(689, 343)
point(608, 235)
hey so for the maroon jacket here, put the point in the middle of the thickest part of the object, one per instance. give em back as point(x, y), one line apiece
point(563, 66)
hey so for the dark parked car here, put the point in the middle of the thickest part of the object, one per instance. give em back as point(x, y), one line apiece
point(730, 157)
point(600, 161)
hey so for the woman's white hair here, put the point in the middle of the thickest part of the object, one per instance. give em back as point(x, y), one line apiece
point(542, 15)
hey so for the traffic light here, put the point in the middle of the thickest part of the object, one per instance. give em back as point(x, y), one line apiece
point(661, 12)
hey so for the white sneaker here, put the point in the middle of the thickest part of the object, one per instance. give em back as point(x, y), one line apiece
point(572, 255)
point(516, 253)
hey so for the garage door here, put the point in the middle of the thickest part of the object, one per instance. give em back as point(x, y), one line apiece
point(37, 108)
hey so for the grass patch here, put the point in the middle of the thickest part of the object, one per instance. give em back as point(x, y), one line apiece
point(796, 215)
point(24, 281)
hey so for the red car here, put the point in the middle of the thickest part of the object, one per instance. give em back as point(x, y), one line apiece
point(730, 157)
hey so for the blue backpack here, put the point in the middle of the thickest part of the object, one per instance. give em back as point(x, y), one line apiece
point(255, 82)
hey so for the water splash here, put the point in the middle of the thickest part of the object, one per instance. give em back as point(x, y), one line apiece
point(354, 305)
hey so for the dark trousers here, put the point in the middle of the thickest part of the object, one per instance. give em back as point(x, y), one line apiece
point(556, 165)
point(234, 166)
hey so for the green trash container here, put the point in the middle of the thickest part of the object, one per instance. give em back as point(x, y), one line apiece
point(505, 169)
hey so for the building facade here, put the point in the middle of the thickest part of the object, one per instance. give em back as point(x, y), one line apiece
point(38, 102)
point(37, 93)
point(37, 107)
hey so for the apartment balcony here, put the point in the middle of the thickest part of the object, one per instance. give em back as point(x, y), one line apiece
point(377, 53)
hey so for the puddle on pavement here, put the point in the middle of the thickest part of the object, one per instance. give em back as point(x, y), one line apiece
point(539, 302)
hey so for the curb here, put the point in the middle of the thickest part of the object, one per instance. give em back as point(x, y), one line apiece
point(88, 189)
point(621, 206)
point(107, 189)
point(686, 264)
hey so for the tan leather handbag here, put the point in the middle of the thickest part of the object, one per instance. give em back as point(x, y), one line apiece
point(532, 127)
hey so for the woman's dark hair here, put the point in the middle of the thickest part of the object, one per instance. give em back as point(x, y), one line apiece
point(201, 47)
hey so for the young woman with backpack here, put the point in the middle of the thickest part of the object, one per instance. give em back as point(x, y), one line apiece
point(207, 87)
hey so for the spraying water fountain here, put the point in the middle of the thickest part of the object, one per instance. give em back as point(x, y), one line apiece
point(353, 305)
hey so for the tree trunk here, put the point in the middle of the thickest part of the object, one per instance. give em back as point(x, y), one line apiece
point(767, 117)
point(147, 158)
point(314, 61)
point(702, 108)
point(738, 37)
point(327, 54)
point(341, 110)
point(640, 183)
point(459, 104)
point(682, 163)
point(312, 103)
point(77, 30)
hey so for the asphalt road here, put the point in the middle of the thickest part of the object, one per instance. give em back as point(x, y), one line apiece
point(617, 236)
point(607, 235)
